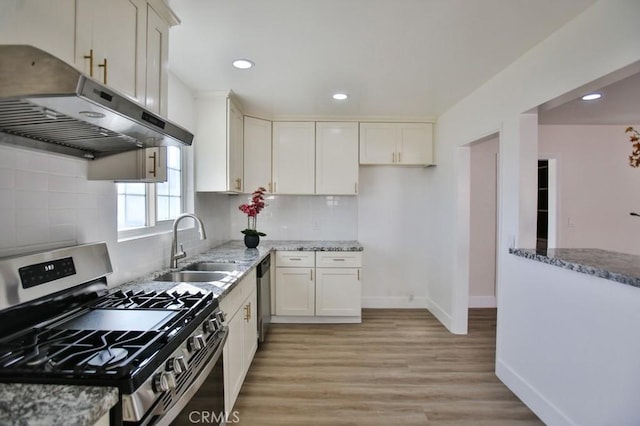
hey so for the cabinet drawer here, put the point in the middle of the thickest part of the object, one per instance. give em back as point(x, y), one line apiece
point(338, 259)
point(292, 259)
point(232, 301)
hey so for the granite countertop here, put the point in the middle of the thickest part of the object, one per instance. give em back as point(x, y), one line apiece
point(245, 259)
point(44, 405)
point(620, 267)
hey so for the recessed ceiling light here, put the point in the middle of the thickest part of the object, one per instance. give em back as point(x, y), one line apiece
point(243, 64)
point(340, 96)
point(591, 96)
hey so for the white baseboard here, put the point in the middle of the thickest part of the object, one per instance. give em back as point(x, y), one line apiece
point(541, 406)
point(440, 314)
point(483, 302)
point(394, 303)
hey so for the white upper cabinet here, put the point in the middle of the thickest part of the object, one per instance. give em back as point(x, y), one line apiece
point(156, 80)
point(293, 157)
point(257, 154)
point(336, 158)
point(218, 145)
point(396, 143)
point(110, 43)
point(48, 25)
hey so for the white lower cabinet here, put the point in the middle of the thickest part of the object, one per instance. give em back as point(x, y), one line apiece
point(338, 292)
point(240, 307)
point(318, 286)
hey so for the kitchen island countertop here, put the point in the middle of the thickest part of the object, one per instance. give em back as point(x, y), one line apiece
point(620, 267)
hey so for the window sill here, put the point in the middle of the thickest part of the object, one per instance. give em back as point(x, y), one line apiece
point(150, 232)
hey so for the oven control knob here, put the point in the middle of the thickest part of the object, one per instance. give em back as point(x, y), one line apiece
point(178, 365)
point(221, 316)
point(212, 325)
point(162, 382)
point(196, 343)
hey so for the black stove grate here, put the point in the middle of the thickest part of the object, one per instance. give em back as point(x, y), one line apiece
point(78, 353)
point(151, 300)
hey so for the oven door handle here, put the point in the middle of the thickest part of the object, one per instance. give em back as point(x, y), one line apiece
point(173, 412)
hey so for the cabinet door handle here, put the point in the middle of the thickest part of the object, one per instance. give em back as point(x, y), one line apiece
point(90, 58)
point(270, 187)
point(239, 184)
point(104, 65)
point(358, 274)
point(154, 168)
point(399, 160)
point(295, 258)
point(274, 187)
point(247, 312)
point(311, 274)
point(338, 259)
point(393, 157)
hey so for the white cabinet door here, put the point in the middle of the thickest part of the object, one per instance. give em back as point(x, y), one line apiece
point(377, 143)
point(294, 157)
point(295, 291)
point(218, 144)
point(257, 154)
point(396, 143)
point(250, 328)
point(235, 147)
point(113, 31)
point(337, 158)
point(233, 359)
point(156, 81)
point(47, 25)
point(338, 292)
point(415, 143)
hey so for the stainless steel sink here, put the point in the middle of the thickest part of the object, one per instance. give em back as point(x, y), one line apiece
point(195, 276)
point(211, 266)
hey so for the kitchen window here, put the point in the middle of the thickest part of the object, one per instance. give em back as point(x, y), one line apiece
point(145, 208)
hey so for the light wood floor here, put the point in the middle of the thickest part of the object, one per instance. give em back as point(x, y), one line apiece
point(399, 367)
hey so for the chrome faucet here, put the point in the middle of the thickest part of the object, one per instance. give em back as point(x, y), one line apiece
point(175, 255)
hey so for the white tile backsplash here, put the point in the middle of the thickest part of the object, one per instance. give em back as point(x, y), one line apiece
point(300, 217)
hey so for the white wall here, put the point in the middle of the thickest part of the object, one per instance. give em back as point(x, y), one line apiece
point(393, 215)
point(482, 235)
point(46, 201)
point(600, 41)
point(597, 187)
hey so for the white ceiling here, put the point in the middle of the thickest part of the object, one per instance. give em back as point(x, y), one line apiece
point(619, 105)
point(395, 58)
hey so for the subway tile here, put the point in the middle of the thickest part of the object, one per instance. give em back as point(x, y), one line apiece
point(31, 161)
point(7, 157)
point(7, 197)
point(62, 200)
point(66, 166)
point(32, 217)
point(7, 178)
point(62, 217)
point(31, 199)
point(31, 181)
point(7, 237)
point(61, 233)
point(59, 183)
point(32, 235)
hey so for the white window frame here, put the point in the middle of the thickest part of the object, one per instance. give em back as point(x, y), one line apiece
point(155, 227)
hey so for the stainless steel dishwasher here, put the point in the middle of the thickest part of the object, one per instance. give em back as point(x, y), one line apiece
point(264, 297)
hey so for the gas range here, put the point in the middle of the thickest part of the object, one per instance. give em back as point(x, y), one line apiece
point(60, 325)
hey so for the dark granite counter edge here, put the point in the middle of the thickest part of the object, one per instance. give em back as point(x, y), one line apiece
point(37, 404)
point(619, 267)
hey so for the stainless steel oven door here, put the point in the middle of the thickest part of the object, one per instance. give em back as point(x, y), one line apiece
point(212, 373)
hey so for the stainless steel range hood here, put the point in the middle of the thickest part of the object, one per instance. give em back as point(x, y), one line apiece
point(50, 105)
